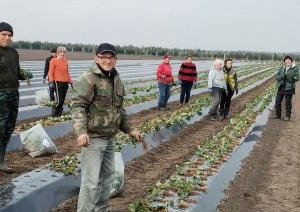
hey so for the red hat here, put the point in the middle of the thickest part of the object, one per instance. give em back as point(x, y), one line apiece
point(167, 56)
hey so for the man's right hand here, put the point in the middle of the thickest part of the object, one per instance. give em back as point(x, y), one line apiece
point(44, 81)
point(83, 140)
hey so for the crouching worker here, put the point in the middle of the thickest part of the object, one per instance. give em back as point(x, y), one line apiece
point(98, 114)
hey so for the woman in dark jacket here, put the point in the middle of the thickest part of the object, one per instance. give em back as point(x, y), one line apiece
point(232, 86)
point(286, 77)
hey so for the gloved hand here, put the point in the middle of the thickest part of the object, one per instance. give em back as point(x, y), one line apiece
point(29, 75)
point(179, 82)
point(236, 91)
point(71, 84)
point(163, 76)
point(51, 85)
point(44, 81)
point(209, 90)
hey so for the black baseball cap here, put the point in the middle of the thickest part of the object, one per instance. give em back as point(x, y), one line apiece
point(106, 47)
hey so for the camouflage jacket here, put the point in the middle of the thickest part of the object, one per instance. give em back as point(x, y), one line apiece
point(97, 105)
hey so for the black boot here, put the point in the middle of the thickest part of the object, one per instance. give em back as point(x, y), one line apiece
point(161, 108)
point(222, 112)
point(54, 112)
point(226, 112)
point(3, 167)
point(166, 107)
point(60, 112)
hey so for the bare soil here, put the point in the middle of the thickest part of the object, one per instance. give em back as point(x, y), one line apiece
point(270, 177)
point(268, 180)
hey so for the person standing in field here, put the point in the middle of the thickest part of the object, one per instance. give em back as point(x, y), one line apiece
point(187, 77)
point(59, 79)
point(10, 74)
point(98, 114)
point(46, 71)
point(230, 76)
point(216, 84)
point(165, 81)
point(286, 79)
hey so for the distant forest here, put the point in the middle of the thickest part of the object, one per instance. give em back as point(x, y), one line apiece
point(159, 51)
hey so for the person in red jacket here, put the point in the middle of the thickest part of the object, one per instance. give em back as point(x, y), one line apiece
point(187, 77)
point(59, 78)
point(165, 80)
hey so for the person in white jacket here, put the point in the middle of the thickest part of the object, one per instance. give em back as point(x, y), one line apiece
point(216, 84)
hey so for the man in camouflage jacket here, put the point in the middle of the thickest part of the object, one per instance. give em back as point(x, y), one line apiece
point(98, 115)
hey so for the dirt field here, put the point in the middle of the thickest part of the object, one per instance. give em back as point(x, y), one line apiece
point(268, 180)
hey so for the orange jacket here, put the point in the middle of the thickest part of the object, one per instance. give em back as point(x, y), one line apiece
point(59, 71)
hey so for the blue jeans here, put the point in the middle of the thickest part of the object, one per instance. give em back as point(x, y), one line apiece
point(164, 94)
point(97, 169)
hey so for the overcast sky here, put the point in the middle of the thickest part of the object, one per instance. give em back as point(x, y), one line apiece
point(250, 25)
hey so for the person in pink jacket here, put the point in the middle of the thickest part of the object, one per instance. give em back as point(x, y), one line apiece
point(165, 80)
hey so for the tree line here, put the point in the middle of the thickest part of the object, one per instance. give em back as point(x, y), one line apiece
point(159, 51)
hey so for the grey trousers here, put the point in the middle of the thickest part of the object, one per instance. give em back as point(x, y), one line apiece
point(215, 100)
point(97, 169)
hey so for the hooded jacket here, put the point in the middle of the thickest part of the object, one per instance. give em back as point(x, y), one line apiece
point(216, 79)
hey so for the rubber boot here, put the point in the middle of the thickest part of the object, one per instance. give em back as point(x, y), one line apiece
point(226, 112)
point(54, 112)
point(60, 112)
point(3, 167)
point(166, 107)
point(160, 107)
point(222, 111)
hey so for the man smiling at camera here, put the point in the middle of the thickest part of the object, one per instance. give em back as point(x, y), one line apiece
point(98, 115)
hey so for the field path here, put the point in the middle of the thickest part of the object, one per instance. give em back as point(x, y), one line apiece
point(270, 178)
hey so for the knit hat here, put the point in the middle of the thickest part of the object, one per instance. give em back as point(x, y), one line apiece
point(167, 56)
point(61, 49)
point(6, 27)
point(106, 47)
point(287, 57)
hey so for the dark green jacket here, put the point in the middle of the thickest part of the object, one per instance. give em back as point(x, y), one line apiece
point(10, 72)
point(97, 105)
point(289, 79)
